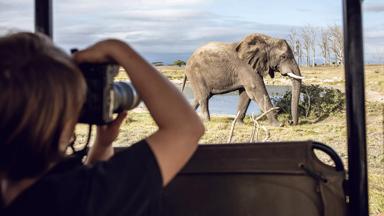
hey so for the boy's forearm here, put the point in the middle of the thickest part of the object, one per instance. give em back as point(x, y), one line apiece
point(99, 153)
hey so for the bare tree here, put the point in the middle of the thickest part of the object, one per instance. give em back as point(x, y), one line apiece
point(329, 47)
point(306, 37)
point(337, 43)
point(299, 50)
point(296, 45)
point(292, 37)
point(292, 40)
point(325, 45)
point(312, 31)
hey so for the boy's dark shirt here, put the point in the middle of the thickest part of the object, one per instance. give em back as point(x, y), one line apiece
point(128, 184)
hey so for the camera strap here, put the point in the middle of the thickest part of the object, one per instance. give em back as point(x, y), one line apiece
point(82, 152)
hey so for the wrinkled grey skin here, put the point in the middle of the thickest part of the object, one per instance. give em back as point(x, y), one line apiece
point(218, 68)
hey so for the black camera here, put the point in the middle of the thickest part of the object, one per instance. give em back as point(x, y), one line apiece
point(104, 96)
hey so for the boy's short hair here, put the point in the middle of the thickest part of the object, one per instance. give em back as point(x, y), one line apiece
point(41, 89)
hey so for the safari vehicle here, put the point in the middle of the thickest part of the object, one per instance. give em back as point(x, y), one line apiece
point(275, 178)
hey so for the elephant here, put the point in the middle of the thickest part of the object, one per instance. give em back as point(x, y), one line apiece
point(218, 68)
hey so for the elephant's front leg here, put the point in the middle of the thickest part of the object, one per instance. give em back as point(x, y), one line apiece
point(257, 91)
point(243, 105)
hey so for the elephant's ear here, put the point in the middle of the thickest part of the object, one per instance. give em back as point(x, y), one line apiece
point(253, 51)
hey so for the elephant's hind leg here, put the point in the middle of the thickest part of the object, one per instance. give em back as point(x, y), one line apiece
point(204, 107)
point(202, 95)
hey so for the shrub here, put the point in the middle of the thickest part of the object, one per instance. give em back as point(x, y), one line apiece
point(315, 102)
point(179, 63)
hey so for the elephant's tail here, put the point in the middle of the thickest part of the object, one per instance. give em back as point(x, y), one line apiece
point(184, 81)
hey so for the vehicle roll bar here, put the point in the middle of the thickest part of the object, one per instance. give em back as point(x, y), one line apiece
point(355, 102)
point(43, 17)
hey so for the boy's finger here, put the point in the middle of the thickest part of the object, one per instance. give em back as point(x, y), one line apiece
point(119, 118)
point(79, 56)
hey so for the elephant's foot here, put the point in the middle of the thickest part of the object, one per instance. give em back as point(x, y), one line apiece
point(204, 118)
point(291, 122)
point(275, 123)
point(240, 121)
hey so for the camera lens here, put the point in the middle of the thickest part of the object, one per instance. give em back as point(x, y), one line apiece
point(125, 97)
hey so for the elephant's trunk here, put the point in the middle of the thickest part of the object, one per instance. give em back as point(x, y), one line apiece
point(296, 85)
point(293, 71)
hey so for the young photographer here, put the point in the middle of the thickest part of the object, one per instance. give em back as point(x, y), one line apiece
point(41, 94)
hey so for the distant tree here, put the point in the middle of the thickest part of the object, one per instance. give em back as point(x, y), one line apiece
point(294, 43)
point(299, 50)
point(292, 38)
point(312, 31)
point(337, 43)
point(158, 63)
point(306, 37)
point(325, 46)
point(179, 63)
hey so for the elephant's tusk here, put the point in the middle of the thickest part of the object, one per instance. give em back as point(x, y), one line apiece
point(295, 76)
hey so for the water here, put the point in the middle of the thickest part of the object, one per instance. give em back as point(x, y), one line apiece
point(226, 104)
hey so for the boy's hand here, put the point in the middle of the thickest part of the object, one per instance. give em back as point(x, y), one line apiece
point(102, 149)
point(106, 134)
point(100, 52)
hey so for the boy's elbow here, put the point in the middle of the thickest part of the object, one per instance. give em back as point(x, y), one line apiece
point(196, 129)
point(188, 130)
point(200, 129)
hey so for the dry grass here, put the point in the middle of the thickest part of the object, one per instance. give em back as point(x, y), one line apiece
point(171, 72)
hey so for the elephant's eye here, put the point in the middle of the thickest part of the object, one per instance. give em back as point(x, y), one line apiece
point(283, 57)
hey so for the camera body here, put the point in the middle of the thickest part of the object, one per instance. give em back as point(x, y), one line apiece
point(104, 96)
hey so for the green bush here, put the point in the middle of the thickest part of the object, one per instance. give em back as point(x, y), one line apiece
point(179, 63)
point(315, 102)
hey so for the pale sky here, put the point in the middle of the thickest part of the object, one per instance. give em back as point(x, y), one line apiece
point(166, 30)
